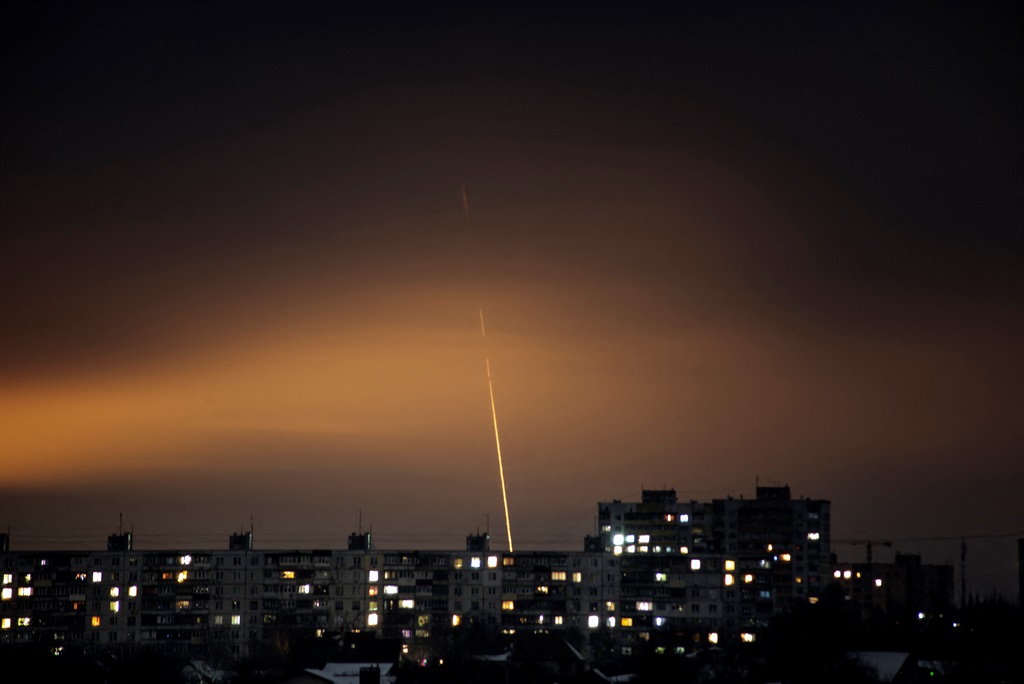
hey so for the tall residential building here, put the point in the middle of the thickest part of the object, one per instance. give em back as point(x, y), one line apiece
point(713, 571)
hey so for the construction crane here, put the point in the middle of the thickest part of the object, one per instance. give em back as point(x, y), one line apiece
point(864, 542)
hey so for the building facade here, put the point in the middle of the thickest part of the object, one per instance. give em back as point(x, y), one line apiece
point(714, 571)
point(661, 574)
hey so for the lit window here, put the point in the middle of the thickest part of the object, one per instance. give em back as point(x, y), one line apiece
point(474, 562)
point(577, 577)
point(684, 549)
point(492, 561)
point(630, 538)
point(643, 605)
point(659, 622)
point(408, 604)
point(812, 600)
point(771, 547)
point(304, 588)
point(712, 637)
point(644, 539)
point(373, 575)
point(609, 606)
point(24, 591)
point(747, 579)
point(5, 623)
point(847, 574)
point(28, 577)
point(218, 619)
point(542, 590)
point(878, 582)
point(457, 563)
point(684, 517)
point(593, 622)
point(837, 574)
point(729, 580)
point(508, 605)
point(6, 594)
point(236, 619)
point(559, 619)
point(618, 539)
point(287, 574)
point(610, 622)
point(24, 621)
point(669, 517)
point(182, 576)
point(627, 622)
point(133, 591)
point(114, 592)
point(786, 557)
point(558, 575)
point(813, 536)
point(617, 550)
point(747, 637)
point(661, 577)
point(115, 606)
point(372, 619)
point(186, 560)
point(730, 565)
point(96, 621)
point(371, 591)
point(920, 616)
point(8, 578)
point(97, 576)
point(456, 620)
point(695, 564)
point(631, 548)
point(390, 589)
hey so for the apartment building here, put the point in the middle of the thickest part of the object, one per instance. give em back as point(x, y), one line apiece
point(240, 600)
point(705, 572)
point(663, 574)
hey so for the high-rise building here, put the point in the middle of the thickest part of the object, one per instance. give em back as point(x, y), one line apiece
point(698, 571)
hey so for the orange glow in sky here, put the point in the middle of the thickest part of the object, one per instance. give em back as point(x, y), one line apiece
point(238, 276)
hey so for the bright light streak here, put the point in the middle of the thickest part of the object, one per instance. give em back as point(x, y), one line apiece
point(497, 444)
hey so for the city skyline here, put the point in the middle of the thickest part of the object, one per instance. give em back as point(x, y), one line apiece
point(711, 245)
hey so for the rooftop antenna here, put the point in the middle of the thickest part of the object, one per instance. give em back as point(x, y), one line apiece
point(120, 523)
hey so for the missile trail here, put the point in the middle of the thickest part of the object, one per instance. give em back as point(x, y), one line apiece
point(497, 440)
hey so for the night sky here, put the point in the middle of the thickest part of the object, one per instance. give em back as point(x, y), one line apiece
point(714, 244)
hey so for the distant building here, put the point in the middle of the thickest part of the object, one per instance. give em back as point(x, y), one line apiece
point(1020, 571)
point(904, 590)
